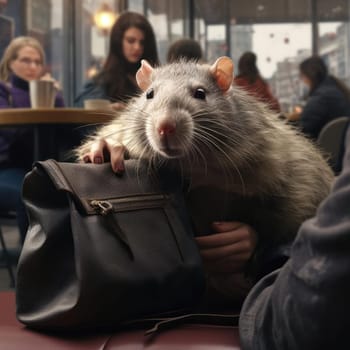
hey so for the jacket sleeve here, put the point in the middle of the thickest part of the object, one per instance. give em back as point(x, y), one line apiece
point(91, 90)
point(59, 100)
point(4, 96)
point(314, 115)
point(305, 304)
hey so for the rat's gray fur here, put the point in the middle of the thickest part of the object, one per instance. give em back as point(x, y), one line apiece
point(232, 149)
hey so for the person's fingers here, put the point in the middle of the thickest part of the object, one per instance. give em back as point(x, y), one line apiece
point(240, 233)
point(228, 252)
point(57, 85)
point(241, 248)
point(225, 226)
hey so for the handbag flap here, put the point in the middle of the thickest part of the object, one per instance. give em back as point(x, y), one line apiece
point(86, 181)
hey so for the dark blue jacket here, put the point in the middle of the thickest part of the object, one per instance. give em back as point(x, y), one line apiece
point(95, 89)
point(325, 103)
point(91, 90)
point(305, 305)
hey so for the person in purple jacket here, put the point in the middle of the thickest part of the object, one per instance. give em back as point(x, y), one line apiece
point(23, 60)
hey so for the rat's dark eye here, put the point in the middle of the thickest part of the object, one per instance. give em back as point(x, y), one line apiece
point(150, 94)
point(199, 93)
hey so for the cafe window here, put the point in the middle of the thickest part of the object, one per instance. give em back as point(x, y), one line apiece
point(280, 48)
point(42, 19)
point(282, 34)
point(136, 5)
point(216, 42)
point(169, 20)
point(92, 38)
point(333, 46)
point(76, 47)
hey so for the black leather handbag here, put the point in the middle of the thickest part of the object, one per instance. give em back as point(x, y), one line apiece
point(103, 250)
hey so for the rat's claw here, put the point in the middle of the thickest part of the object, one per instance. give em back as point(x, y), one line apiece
point(96, 151)
point(103, 149)
point(117, 151)
point(86, 158)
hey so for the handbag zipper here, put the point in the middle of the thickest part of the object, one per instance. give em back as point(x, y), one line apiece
point(103, 207)
point(106, 207)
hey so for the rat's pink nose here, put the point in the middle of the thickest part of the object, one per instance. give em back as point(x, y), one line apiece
point(166, 128)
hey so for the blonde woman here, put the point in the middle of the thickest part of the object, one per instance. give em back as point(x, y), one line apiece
point(23, 60)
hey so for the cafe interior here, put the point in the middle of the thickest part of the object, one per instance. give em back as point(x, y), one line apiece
point(279, 32)
point(75, 37)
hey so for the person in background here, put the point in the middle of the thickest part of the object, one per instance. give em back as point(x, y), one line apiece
point(328, 98)
point(188, 49)
point(305, 304)
point(131, 40)
point(249, 78)
point(23, 60)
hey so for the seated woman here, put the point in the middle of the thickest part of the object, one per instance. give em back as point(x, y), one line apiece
point(249, 78)
point(132, 39)
point(328, 98)
point(23, 60)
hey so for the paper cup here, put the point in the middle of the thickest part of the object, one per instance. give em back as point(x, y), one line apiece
point(97, 104)
point(42, 93)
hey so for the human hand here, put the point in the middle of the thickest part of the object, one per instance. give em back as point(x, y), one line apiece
point(225, 254)
point(49, 77)
point(228, 250)
point(298, 109)
point(103, 149)
point(295, 115)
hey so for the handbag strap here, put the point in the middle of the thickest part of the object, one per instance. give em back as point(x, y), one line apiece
point(158, 324)
point(230, 320)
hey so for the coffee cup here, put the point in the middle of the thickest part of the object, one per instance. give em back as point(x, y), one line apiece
point(97, 103)
point(42, 93)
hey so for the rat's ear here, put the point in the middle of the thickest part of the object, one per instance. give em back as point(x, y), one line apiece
point(143, 75)
point(222, 71)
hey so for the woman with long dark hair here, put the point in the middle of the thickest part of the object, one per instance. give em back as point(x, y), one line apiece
point(131, 40)
point(328, 97)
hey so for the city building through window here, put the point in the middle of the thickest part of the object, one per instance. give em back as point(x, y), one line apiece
point(281, 33)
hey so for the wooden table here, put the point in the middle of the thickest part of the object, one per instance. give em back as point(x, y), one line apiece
point(29, 116)
point(42, 120)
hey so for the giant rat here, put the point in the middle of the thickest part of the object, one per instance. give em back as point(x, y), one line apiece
point(239, 160)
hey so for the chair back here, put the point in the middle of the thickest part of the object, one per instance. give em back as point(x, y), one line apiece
point(6, 255)
point(331, 141)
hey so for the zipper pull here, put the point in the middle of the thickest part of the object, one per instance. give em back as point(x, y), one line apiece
point(105, 208)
